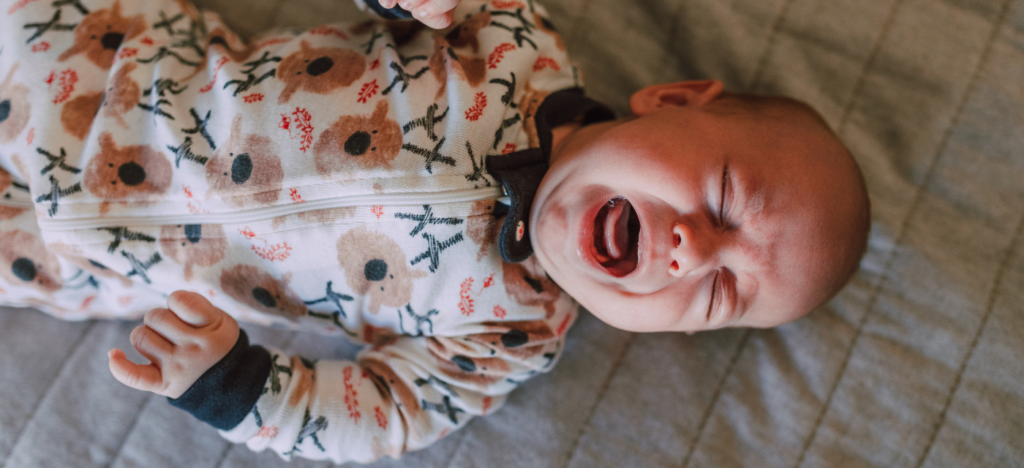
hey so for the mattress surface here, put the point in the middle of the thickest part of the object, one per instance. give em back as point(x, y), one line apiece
point(919, 362)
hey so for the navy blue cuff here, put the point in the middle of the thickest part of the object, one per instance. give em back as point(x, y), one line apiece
point(226, 393)
point(396, 13)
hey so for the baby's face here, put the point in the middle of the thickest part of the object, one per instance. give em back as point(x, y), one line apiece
point(686, 220)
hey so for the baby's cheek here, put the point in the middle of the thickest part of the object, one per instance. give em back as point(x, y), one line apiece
point(668, 310)
point(549, 226)
point(621, 316)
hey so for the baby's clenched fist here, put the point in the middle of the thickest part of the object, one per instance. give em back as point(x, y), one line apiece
point(181, 342)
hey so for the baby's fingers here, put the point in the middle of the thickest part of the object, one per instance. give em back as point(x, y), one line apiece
point(170, 326)
point(140, 377)
point(432, 8)
point(193, 309)
point(437, 22)
point(409, 5)
point(150, 344)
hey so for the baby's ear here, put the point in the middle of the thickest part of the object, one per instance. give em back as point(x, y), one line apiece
point(679, 94)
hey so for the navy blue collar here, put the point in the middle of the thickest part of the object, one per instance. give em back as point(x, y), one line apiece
point(520, 172)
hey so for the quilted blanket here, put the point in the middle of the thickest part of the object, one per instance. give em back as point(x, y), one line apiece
point(919, 362)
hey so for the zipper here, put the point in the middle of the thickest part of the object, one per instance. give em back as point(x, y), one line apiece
point(17, 203)
point(254, 214)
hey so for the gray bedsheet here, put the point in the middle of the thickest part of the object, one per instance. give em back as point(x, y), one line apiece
point(918, 363)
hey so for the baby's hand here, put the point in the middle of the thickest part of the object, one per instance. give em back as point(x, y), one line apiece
point(181, 342)
point(437, 14)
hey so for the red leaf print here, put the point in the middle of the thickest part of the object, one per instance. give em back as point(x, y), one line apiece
point(49, 79)
point(274, 41)
point(18, 5)
point(564, 325)
point(466, 302)
point(41, 47)
point(85, 303)
point(268, 432)
point(487, 283)
point(546, 62)
point(368, 91)
point(127, 52)
point(327, 31)
point(377, 210)
point(498, 54)
point(501, 4)
point(509, 148)
point(374, 64)
point(254, 97)
point(499, 312)
point(216, 68)
point(277, 252)
point(382, 421)
point(195, 209)
point(487, 404)
point(295, 196)
point(146, 40)
point(247, 233)
point(350, 395)
point(67, 81)
point(304, 122)
point(286, 123)
point(479, 103)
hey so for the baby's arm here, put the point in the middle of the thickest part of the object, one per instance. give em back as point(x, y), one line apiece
point(181, 342)
point(403, 393)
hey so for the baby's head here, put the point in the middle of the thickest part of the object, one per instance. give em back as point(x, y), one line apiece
point(704, 210)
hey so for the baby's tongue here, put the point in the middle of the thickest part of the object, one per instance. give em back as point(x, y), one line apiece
point(616, 231)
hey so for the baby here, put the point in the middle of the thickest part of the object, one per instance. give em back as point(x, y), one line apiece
point(437, 195)
point(732, 211)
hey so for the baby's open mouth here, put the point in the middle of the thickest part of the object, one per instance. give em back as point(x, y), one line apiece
point(617, 237)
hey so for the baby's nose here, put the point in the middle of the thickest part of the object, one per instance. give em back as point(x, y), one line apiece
point(690, 250)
